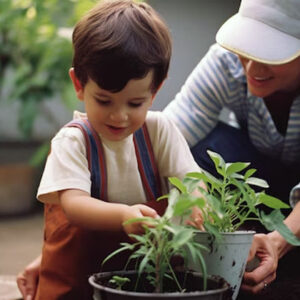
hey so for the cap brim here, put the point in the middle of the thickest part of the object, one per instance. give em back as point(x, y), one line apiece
point(257, 41)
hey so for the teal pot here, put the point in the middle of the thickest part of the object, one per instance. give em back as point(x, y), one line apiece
point(103, 290)
point(228, 257)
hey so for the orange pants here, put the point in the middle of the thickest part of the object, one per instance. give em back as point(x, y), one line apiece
point(71, 254)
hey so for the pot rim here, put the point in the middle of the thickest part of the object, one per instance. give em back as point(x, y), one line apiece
point(237, 232)
point(148, 295)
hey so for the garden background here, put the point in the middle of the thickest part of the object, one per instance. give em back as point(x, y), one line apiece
point(37, 98)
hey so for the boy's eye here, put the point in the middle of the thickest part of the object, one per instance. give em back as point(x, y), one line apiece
point(134, 104)
point(102, 102)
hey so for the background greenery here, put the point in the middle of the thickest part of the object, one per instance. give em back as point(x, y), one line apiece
point(36, 53)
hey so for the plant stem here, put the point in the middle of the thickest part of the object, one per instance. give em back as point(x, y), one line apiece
point(174, 275)
point(245, 219)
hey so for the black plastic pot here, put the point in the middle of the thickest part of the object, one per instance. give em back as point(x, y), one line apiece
point(218, 288)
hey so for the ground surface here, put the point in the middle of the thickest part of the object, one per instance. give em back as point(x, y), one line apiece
point(20, 242)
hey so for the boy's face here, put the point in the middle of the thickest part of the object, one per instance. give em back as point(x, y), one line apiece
point(117, 115)
point(264, 80)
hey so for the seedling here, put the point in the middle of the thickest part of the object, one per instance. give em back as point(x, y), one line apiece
point(162, 240)
point(231, 201)
point(119, 281)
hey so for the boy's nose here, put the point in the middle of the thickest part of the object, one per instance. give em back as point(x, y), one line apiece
point(119, 116)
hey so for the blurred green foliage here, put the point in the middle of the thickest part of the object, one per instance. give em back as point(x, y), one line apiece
point(34, 54)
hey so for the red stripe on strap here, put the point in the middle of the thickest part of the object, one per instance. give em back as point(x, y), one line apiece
point(102, 163)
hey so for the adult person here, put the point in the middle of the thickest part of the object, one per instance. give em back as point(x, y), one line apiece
point(254, 71)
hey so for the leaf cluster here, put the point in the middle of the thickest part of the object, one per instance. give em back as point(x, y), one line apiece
point(230, 200)
point(153, 251)
point(34, 56)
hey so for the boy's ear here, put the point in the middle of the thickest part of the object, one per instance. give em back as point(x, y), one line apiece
point(76, 83)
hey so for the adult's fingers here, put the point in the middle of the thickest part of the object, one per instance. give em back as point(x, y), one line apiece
point(254, 289)
point(262, 248)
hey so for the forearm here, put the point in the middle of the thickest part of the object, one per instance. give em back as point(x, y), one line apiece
point(292, 222)
point(91, 213)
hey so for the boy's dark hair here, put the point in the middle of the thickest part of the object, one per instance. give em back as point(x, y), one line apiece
point(120, 40)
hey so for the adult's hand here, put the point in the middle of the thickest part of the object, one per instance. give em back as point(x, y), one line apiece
point(27, 280)
point(264, 250)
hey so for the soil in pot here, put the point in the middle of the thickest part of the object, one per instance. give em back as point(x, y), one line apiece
point(192, 283)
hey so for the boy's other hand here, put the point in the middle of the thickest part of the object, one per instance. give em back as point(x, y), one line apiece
point(196, 218)
point(137, 211)
point(27, 280)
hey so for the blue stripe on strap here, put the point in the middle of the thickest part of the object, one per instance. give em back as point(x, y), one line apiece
point(147, 166)
point(94, 152)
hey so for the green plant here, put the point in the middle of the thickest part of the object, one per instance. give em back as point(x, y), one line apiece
point(119, 281)
point(231, 201)
point(35, 56)
point(162, 240)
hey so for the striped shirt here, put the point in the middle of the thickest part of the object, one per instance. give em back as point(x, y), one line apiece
point(218, 81)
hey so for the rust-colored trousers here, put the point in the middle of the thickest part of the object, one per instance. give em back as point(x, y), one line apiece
point(71, 254)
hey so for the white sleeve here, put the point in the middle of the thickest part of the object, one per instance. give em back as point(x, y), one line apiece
point(66, 166)
point(295, 195)
point(171, 150)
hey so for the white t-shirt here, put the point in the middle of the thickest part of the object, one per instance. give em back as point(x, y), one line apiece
point(67, 165)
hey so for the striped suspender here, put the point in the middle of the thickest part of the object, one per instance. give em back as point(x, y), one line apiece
point(96, 159)
point(146, 163)
point(97, 166)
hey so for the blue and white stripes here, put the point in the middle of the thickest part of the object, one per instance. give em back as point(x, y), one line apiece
point(218, 81)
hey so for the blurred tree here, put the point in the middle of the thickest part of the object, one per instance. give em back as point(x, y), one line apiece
point(35, 53)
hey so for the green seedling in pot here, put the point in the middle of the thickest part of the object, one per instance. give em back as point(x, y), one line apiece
point(163, 240)
point(230, 200)
point(119, 281)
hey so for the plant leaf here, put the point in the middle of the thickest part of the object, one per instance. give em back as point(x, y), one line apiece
point(206, 178)
point(145, 260)
point(185, 202)
point(249, 173)
point(162, 197)
point(199, 257)
point(235, 167)
point(216, 158)
point(177, 183)
point(173, 196)
point(271, 201)
point(148, 220)
point(126, 246)
point(257, 182)
point(190, 183)
point(218, 161)
point(213, 230)
point(182, 237)
point(274, 221)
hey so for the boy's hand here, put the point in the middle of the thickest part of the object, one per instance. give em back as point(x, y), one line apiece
point(27, 280)
point(137, 211)
point(196, 218)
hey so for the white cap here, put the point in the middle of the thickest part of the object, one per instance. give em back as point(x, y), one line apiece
point(266, 31)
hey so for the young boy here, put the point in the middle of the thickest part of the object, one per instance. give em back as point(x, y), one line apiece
point(110, 164)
